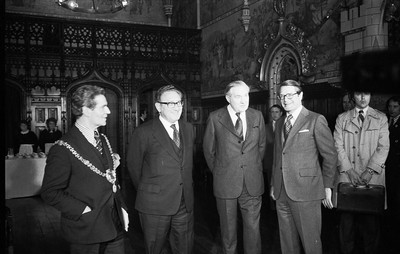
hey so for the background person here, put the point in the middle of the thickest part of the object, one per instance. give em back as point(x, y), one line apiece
point(49, 135)
point(275, 112)
point(393, 172)
point(25, 136)
point(362, 142)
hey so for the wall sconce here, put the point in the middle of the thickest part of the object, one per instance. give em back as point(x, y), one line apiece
point(29, 117)
point(168, 10)
point(245, 15)
point(93, 6)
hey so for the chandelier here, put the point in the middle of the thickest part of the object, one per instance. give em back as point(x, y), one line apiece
point(93, 6)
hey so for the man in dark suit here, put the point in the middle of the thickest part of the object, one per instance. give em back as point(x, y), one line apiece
point(234, 144)
point(275, 112)
point(80, 180)
point(393, 171)
point(298, 183)
point(160, 161)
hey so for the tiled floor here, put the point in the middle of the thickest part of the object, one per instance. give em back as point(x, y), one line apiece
point(36, 229)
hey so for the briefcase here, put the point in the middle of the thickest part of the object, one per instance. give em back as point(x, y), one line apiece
point(368, 199)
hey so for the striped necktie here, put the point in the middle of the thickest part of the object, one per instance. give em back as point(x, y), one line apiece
point(361, 116)
point(176, 138)
point(239, 126)
point(288, 126)
point(99, 144)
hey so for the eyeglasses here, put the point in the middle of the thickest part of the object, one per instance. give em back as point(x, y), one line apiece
point(172, 104)
point(289, 96)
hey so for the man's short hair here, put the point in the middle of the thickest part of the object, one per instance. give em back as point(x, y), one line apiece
point(84, 97)
point(290, 82)
point(395, 98)
point(277, 106)
point(234, 84)
point(51, 120)
point(165, 89)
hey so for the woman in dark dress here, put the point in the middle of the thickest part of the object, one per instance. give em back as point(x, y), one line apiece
point(25, 136)
point(49, 135)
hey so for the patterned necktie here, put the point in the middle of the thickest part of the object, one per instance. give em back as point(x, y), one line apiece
point(361, 116)
point(288, 125)
point(239, 126)
point(99, 144)
point(176, 138)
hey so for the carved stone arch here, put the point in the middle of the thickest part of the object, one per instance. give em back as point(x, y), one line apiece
point(115, 122)
point(146, 95)
point(280, 51)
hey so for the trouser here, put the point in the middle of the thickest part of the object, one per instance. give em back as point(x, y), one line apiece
point(366, 226)
point(250, 207)
point(179, 226)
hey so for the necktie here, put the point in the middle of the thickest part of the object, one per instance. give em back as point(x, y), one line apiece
point(239, 126)
point(391, 122)
point(288, 125)
point(361, 116)
point(99, 144)
point(176, 139)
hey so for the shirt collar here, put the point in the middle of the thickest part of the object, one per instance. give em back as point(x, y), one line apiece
point(167, 125)
point(365, 110)
point(232, 113)
point(295, 113)
point(87, 132)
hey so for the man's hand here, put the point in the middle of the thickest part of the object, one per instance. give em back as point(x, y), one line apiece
point(366, 176)
point(116, 160)
point(327, 201)
point(126, 219)
point(355, 179)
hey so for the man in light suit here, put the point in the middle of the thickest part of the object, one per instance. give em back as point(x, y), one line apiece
point(234, 144)
point(299, 182)
point(160, 161)
point(80, 180)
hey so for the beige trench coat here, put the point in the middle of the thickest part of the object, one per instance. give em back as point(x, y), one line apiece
point(360, 147)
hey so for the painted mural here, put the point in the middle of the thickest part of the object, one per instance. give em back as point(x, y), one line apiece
point(229, 53)
point(148, 12)
point(212, 9)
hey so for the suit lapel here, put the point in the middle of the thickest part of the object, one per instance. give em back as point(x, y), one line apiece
point(226, 121)
point(300, 121)
point(163, 138)
point(86, 149)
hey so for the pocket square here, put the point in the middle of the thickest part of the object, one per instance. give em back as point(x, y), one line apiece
point(305, 130)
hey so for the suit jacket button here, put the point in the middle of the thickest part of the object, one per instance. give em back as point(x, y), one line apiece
point(239, 141)
point(180, 183)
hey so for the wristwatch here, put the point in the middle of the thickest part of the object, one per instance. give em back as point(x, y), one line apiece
point(370, 171)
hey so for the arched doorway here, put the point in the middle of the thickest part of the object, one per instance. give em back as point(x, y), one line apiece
point(15, 103)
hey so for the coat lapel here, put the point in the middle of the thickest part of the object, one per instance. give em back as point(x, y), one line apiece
point(300, 121)
point(226, 121)
point(163, 138)
point(86, 149)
